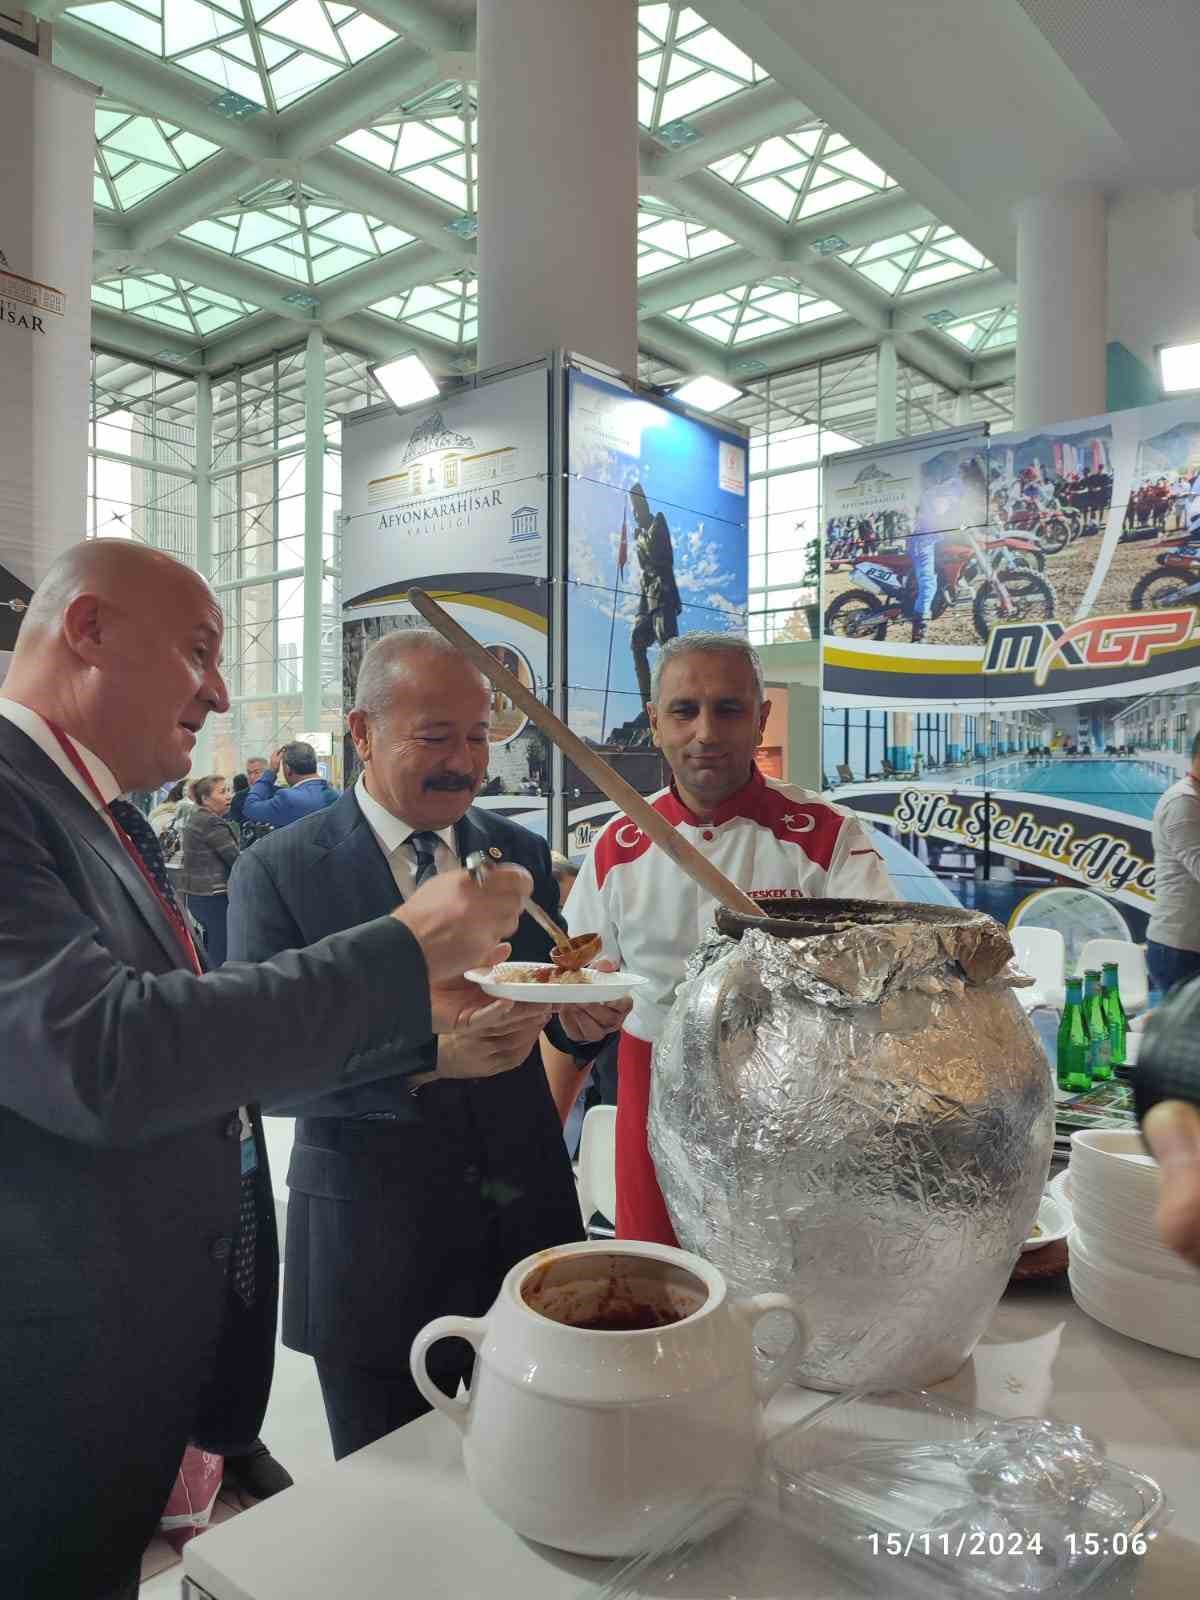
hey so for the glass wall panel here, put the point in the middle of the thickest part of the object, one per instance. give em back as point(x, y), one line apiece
point(142, 476)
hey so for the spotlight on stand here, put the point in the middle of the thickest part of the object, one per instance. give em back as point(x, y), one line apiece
point(405, 380)
point(1179, 365)
point(706, 394)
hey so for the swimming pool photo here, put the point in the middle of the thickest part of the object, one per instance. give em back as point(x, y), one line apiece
point(1132, 785)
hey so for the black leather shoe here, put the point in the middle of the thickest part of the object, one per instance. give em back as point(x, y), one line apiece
point(256, 1474)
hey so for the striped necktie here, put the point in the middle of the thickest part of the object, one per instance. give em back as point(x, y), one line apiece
point(424, 848)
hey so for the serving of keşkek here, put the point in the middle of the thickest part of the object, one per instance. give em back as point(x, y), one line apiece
point(535, 982)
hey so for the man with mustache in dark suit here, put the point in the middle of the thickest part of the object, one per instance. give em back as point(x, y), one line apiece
point(413, 1196)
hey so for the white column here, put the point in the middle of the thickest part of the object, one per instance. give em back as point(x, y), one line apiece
point(202, 755)
point(1062, 306)
point(204, 543)
point(963, 416)
point(314, 515)
point(558, 176)
point(887, 377)
point(46, 138)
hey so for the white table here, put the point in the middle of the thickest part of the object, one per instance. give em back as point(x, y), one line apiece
point(398, 1521)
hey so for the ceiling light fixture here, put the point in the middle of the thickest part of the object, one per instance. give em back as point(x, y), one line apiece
point(236, 106)
point(1179, 367)
point(706, 393)
point(405, 380)
point(302, 297)
point(464, 227)
point(939, 319)
point(830, 244)
point(677, 135)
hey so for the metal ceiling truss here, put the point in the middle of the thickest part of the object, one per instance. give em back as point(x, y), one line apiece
point(299, 147)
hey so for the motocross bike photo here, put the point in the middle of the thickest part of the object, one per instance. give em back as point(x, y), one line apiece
point(1175, 580)
point(1000, 578)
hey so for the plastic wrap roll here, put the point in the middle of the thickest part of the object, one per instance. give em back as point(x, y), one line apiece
point(854, 1110)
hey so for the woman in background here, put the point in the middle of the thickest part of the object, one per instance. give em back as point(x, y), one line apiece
point(171, 813)
point(210, 848)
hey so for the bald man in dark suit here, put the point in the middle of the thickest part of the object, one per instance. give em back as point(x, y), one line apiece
point(126, 1069)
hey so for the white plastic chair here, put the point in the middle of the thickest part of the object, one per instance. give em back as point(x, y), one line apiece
point(597, 1177)
point(1042, 953)
point(1131, 969)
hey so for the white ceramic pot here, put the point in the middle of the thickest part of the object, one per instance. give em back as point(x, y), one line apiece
point(591, 1439)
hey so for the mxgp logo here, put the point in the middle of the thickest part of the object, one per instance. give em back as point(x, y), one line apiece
point(1126, 640)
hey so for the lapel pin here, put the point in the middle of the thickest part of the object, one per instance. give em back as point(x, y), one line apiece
point(495, 854)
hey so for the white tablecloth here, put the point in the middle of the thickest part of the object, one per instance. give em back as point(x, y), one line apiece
point(399, 1520)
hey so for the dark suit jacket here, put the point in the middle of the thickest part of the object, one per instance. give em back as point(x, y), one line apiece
point(119, 1173)
point(401, 1208)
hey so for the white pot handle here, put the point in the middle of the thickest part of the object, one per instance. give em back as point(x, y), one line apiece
point(751, 1310)
point(472, 1329)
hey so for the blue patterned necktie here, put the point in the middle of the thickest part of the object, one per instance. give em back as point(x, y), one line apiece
point(424, 848)
point(144, 840)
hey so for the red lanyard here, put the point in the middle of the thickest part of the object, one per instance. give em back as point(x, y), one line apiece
point(170, 911)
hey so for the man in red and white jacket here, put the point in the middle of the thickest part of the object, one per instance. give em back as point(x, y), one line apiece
point(707, 717)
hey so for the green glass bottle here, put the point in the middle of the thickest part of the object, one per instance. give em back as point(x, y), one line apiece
point(1114, 1013)
point(1097, 1027)
point(1074, 1045)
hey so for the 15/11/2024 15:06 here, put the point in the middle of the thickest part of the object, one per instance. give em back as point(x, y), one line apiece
point(976, 1542)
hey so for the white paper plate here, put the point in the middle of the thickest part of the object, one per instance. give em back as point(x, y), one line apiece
point(1054, 1221)
point(1158, 1311)
point(1060, 1189)
point(602, 990)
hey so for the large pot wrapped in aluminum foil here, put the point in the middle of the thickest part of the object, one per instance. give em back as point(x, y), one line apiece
point(849, 1106)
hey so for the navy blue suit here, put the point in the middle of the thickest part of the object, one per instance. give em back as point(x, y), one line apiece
point(402, 1208)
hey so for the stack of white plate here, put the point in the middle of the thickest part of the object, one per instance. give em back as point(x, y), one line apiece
point(1121, 1273)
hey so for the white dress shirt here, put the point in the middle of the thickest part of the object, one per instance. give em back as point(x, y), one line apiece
point(36, 727)
point(392, 834)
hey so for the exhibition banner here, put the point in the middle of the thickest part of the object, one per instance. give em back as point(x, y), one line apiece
point(656, 547)
point(454, 500)
point(1011, 651)
point(1092, 845)
point(46, 145)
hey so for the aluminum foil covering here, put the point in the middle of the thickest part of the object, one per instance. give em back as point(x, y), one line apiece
point(850, 1106)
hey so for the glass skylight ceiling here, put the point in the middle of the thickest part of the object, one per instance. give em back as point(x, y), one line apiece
point(429, 142)
point(916, 259)
point(754, 311)
point(137, 155)
point(668, 238)
point(270, 51)
point(685, 65)
point(297, 234)
point(986, 330)
point(799, 174)
point(170, 301)
point(244, 55)
point(448, 309)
